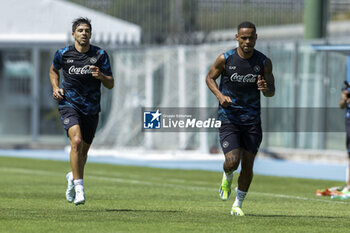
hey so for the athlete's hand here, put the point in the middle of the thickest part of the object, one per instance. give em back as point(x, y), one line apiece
point(344, 96)
point(95, 72)
point(262, 84)
point(58, 94)
point(224, 100)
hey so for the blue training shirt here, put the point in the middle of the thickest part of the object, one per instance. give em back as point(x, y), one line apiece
point(81, 90)
point(239, 82)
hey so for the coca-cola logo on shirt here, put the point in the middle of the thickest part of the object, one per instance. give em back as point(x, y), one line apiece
point(247, 78)
point(79, 70)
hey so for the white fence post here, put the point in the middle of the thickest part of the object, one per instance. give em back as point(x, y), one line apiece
point(203, 96)
point(149, 93)
point(182, 91)
point(35, 94)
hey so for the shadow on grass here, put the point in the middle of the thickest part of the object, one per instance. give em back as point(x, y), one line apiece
point(290, 216)
point(131, 210)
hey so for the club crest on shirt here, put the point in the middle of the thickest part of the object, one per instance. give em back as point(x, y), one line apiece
point(93, 60)
point(256, 68)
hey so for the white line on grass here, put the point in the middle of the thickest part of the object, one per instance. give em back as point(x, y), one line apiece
point(297, 197)
point(144, 182)
point(28, 171)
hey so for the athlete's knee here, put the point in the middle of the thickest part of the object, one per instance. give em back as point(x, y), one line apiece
point(231, 162)
point(231, 166)
point(76, 142)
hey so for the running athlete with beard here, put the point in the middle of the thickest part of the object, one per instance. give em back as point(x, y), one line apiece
point(85, 67)
point(245, 72)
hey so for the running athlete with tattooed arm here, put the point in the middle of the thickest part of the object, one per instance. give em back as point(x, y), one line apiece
point(245, 73)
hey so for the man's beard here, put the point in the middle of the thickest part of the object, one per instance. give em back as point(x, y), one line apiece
point(83, 43)
point(247, 50)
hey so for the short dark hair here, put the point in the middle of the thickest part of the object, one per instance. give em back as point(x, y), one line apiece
point(246, 24)
point(81, 20)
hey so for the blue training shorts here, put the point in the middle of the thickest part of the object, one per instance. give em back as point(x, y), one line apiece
point(234, 136)
point(87, 123)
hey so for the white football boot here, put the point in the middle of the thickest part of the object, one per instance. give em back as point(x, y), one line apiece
point(79, 195)
point(70, 192)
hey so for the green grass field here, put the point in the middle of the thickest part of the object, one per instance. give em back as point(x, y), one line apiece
point(138, 199)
